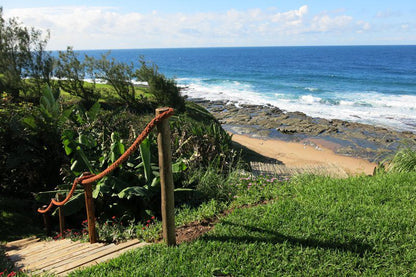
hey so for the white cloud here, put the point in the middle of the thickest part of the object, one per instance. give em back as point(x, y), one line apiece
point(106, 27)
point(388, 13)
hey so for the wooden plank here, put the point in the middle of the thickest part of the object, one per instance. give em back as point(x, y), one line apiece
point(54, 245)
point(21, 257)
point(75, 258)
point(62, 258)
point(21, 245)
point(52, 252)
point(21, 242)
point(25, 250)
point(95, 256)
point(40, 245)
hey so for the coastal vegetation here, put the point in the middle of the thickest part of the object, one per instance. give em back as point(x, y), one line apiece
point(54, 125)
point(64, 126)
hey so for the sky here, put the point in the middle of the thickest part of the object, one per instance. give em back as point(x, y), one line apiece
point(131, 24)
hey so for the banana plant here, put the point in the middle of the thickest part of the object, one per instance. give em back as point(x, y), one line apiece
point(150, 173)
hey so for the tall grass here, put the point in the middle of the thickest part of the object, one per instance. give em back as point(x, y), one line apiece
point(404, 161)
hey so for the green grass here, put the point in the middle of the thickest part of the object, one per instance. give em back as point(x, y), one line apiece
point(316, 226)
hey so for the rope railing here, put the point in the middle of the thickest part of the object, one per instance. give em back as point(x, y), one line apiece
point(87, 178)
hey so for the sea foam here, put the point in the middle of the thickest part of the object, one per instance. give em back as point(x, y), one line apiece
point(393, 111)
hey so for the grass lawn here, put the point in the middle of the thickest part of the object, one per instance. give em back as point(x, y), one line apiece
point(316, 226)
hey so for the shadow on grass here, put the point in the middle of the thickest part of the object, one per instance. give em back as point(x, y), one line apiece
point(353, 245)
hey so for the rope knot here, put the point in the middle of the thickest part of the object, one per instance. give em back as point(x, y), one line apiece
point(84, 176)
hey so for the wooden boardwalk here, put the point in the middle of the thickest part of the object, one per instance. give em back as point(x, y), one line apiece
point(60, 257)
point(283, 170)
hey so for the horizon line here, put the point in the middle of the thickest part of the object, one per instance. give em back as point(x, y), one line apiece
point(219, 47)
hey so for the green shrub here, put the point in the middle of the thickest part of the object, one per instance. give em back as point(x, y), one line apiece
point(165, 91)
point(30, 148)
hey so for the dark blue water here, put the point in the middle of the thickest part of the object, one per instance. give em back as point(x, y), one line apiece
point(370, 84)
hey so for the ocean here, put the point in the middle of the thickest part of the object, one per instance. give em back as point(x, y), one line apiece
point(368, 84)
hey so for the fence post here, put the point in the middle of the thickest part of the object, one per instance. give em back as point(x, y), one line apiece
point(89, 206)
point(166, 180)
point(47, 221)
point(60, 197)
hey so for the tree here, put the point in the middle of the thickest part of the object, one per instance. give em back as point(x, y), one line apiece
point(72, 72)
point(22, 55)
point(165, 90)
point(118, 75)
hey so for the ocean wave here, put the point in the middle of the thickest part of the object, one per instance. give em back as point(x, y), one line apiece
point(371, 107)
point(311, 89)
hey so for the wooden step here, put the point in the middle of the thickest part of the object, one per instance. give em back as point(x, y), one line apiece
point(60, 257)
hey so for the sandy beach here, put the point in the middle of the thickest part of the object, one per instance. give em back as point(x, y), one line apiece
point(294, 139)
point(299, 154)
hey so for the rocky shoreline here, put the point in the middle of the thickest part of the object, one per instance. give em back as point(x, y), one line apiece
point(347, 138)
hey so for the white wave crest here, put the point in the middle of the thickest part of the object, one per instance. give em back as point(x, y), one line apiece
point(394, 111)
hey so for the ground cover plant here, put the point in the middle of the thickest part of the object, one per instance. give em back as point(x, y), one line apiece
point(315, 226)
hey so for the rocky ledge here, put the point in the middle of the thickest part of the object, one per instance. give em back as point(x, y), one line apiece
point(348, 138)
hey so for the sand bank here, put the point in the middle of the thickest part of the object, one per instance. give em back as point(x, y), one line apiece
point(299, 154)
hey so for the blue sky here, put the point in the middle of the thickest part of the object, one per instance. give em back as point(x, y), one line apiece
point(153, 24)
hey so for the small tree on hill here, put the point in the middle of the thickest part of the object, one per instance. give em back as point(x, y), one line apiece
point(165, 90)
point(72, 73)
point(118, 75)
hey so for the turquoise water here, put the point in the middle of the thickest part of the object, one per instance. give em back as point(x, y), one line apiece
point(368, 84)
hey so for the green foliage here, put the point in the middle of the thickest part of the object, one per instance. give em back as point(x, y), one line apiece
point(205, 210)
point(202, 143)
point(150, 230)
point(211, 184)
point(114, 230)
point(130, 189)
point(404, 161)
point(29, 145)
point(166, 91)
point(22, 55)
point(72, 73)
point(118, 75)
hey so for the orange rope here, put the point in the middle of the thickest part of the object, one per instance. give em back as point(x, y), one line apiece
point(77, 181)
point(87, 177)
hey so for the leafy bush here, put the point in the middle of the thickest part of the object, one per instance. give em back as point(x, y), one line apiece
point(30, 145)
point(165, 91)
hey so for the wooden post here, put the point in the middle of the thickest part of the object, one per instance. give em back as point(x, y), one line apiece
point(47, 221)
point(89, 206)
point(60, 197)
point(166, 180)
